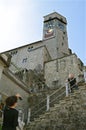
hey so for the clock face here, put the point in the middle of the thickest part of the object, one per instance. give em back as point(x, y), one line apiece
point(61, 25)
point(49, 24)
point(49, 29)
point(49, 33)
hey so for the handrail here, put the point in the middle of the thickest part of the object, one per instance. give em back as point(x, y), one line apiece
point(1, 117)
point(58, 96)
point(45, 100)
point(69, 88)
point(39, 110)
point(38, 104)
point(57, 90)
point(50, 96)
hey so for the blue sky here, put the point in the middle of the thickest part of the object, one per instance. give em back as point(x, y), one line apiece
point(21, 22)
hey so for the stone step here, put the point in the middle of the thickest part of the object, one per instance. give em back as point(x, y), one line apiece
point(53, 99)
point(69, 114)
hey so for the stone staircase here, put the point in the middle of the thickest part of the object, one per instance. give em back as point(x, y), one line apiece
point(54, 97)
point(68, 114)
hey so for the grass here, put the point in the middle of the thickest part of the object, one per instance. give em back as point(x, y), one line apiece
point(0, 127)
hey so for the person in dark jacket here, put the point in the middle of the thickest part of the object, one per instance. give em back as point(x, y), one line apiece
point(72, 82)
point(10, 114)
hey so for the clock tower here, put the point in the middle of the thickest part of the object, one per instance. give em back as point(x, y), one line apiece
point(55, 35)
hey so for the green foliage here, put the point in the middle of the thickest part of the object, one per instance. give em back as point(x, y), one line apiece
point(0, 127)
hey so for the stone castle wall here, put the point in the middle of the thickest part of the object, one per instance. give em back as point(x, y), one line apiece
point(9, 87)
point(57, 71)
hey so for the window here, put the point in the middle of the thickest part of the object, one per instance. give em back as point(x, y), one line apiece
point(71, 61)
point(57, 48)
point(61, 25)
point(14, 52)
point(30, 48)
point(57, 65)
point(62, 43)
point(63, 37)
point(64, 32)
point(24, 60)
point(62, 64)
point(61, 19)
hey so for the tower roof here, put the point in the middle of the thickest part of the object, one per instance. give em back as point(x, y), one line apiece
point(55, 15)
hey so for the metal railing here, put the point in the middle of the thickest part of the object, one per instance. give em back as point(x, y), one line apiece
point(85, 76)
point(49, 101)
point(46, 103)
point(70, 88)
point(1, 117)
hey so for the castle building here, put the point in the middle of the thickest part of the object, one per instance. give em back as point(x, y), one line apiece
point(11, 85)
point(51, 55)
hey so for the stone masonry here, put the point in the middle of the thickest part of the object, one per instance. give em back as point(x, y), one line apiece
point(51, 53)
point(57, 71)
point(69, 114)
